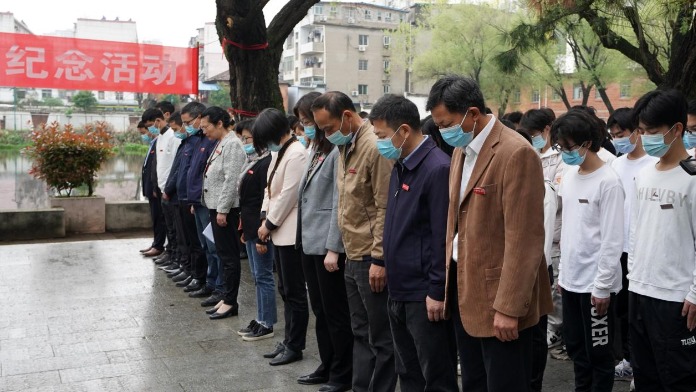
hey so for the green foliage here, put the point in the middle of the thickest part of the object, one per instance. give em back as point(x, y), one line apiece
point(220, 97)
point(67, 159)
point(52, 102)
point(84, 100)
point(132, 149)
point(173, 98)
point(13, 140)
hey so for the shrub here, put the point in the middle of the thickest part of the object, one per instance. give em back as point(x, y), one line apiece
point(67, 159)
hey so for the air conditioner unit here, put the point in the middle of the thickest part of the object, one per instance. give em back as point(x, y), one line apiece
point(354, 93)
point(362, 48)
point(351, 20)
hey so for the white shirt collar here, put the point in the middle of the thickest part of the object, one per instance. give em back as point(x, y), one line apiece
point(425, 137)
point(479, 139)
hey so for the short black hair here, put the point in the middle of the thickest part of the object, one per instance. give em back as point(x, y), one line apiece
point(525, 134)
point(270, 126)
point(244, 124)
point(152, 115)
point(334, 102)
point(193, 109)
point(363, 114)
point(623, 118)
point(304, 105)
point(536, 120)
point(550, 112)
point(428, 127)
point(692, 107)
point(216, 114)
point(457, 93)
point(141, 124)
point(514, 117)
point(176, 118)
point(293, 121)
point(661, 107)
point(578, 126)
point(165, 107)
point(508, 123)
point(396, 110)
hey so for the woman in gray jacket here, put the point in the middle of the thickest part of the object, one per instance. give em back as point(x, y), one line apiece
point(323, 257)
point(221, 197)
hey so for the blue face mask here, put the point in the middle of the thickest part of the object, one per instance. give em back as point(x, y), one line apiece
point(539, 142)
point(191, 130)
point(303, 141)
point(338, 138)
point(249, 148)
point(455, 135)
point(310, 131)
point(180, 135)
point(689, 140)
point(146, 138)
point(153, 129)
point(655, 145)
point(624, 145)
point(387, 148)
point(274, 147)
point(573, 158)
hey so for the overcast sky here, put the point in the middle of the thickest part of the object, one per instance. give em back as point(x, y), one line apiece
point(171, 22)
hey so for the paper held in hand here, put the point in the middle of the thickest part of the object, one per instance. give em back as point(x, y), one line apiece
point(208, 233)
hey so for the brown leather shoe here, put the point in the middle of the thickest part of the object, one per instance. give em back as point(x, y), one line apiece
point(145, 250)
point(152, 253)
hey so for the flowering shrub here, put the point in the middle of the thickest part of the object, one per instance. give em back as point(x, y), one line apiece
point(67, 159)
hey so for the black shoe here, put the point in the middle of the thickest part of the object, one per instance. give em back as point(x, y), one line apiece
point(211, 311)
point(233, 311)
point(162, 260)
point(331, 387)
point(185, 282)
point(286, 357)
point(313, 379)
point(204, 292)
point(279, 348)
point(168, 266)
point(182, 276)
point(194, 285)
point(259, 333)
point(248, 329)
point(172, 273)
point(243, 255)
point(212, 300)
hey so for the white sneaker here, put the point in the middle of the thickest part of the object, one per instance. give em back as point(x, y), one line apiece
point(623, 371)
point(559, 353)
point(633, 386)
point(459, 369)
point(553, 338)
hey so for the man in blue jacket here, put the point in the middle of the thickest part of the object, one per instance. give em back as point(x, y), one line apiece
point(414, 248)
point(212, 284)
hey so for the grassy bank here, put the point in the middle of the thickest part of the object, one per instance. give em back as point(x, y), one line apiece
point(131, 149)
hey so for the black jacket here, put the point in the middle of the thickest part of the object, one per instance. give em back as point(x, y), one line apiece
point(149, 172)
point(251, 192)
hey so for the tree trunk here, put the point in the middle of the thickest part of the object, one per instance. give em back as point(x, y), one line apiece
point(605, 98)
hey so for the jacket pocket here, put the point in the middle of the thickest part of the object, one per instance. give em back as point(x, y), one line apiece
point(492, 283)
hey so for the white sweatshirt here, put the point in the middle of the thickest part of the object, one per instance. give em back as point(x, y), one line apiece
point(662, 257)
point(550, 207)
point(628, 169)
point(592, 233)
point(167, 144)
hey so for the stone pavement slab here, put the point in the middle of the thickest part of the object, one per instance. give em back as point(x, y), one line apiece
point(93, 315)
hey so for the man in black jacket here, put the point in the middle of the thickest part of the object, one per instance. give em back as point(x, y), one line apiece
point(149, 185)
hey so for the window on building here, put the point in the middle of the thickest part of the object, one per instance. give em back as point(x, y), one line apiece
point(555, 96)
point(388, 17)
point(535, 96)
point(368, 14)
point(625, 90)
point(362, 65)
point(386, 40)
point(362, 89)
point(100, 95)
point(318, 9)
point(386, 88)
point(387, 65)
point(516, 95)
point(362, 39)
point(20, 94)
point(119, 96)
point(287, 64)
point(351, 13)
point(577, 91)
point(379, 15)
point(597, 95)
point(62, 94)
point(46, 94)
point(333, 11)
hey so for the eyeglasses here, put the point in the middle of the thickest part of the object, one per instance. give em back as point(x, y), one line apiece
point(307, 123)
point(190, 122)
point(558, 147)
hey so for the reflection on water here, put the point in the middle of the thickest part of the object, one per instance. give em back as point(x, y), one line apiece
point(118, 180)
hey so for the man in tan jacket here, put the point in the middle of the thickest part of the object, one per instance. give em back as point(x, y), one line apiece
point(363, 182)
point(497, 277)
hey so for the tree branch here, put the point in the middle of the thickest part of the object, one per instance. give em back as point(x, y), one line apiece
point(285, 21)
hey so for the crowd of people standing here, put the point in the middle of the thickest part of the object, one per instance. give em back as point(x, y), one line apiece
point(423, 245)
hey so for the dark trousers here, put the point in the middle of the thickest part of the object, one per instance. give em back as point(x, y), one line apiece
point(227, 246)
point(198, 264)
point(327, 296)
point(489, 365)
point(183, 243)
point(540, 349)
point(588, 338)
point(373, 348)
point(421, 349)
point(663, 349)
point(170, 212)
point(291, 286)
point(159, 228)
point(621, 312)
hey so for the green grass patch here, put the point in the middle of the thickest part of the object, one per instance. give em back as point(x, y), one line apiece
point(12, 147)
point(131, 149)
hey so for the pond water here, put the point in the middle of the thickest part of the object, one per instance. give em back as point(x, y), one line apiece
point(118, 180)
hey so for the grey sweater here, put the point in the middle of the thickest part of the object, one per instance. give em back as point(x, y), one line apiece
point(220, 191)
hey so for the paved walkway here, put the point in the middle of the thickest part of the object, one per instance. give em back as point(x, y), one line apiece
point(96, 316)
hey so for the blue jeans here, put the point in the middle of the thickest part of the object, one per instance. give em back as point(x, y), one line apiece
point(213, 279)
point(262, 270)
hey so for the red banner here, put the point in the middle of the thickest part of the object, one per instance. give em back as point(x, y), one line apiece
point(82, 64)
